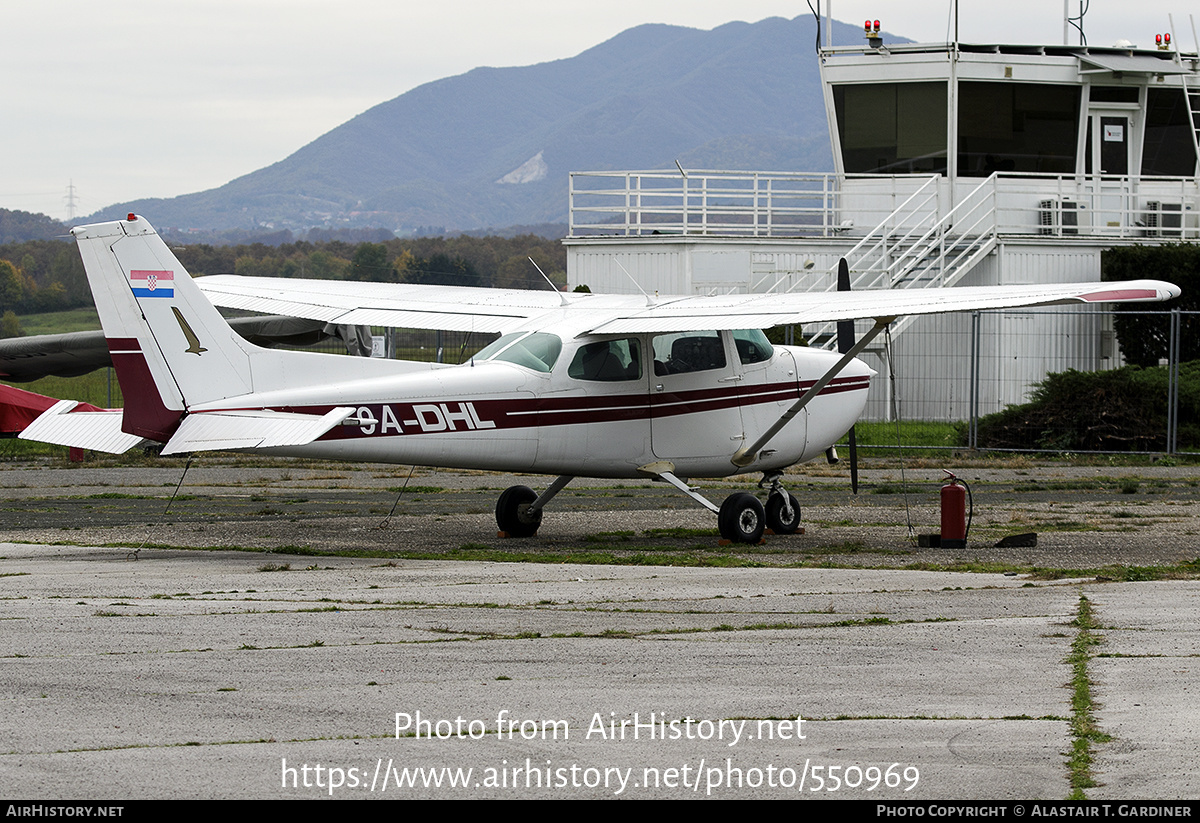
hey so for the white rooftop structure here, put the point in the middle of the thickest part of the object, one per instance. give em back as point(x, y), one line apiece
point(954, 164)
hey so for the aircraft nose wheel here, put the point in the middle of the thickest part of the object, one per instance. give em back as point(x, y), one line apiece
point(781, 518)
point(513, 515)
point(741, 518)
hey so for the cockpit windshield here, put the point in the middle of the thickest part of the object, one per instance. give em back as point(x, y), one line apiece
point(533, 350)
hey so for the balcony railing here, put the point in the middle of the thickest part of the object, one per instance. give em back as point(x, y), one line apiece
point(780, 204)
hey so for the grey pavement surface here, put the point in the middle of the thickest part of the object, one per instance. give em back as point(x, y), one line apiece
point(231, 674)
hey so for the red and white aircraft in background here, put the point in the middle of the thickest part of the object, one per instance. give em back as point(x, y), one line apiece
point(669, 388)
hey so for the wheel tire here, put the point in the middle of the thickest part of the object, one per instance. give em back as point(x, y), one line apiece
point(512, 512)
point(741, 519)
point(776, 519)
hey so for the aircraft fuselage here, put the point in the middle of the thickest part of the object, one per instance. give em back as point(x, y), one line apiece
point(501, 415)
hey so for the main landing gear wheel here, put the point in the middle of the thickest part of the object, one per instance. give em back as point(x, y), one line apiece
point(741, 519)
point(513, 515)
point(783, 519)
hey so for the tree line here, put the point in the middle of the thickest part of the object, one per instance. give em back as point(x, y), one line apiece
point(47, 275)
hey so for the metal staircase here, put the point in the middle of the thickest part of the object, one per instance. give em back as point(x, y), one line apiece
point(914, 248)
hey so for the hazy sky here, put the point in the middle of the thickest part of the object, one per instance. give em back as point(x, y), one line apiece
point(155, 98)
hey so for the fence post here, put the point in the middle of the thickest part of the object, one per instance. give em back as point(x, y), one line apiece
point(973, 423)
point(1173, 384)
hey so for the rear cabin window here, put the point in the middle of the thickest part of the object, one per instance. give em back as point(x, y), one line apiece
point(607, 360)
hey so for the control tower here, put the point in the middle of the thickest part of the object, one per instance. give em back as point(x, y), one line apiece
point(954, 164)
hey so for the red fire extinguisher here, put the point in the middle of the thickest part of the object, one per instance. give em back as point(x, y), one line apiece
point(955, 518)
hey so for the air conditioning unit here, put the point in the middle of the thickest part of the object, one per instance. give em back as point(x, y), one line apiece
point(1162, 219)
point(1058, 217)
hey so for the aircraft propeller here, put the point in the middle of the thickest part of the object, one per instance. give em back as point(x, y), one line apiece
point(845, 337)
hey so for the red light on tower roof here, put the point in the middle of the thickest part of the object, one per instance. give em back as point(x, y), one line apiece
point(876, 25)
point(1167, 38)
point(866, 25)
point(131, 217)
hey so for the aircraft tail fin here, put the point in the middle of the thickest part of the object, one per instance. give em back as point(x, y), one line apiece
point(170, 347)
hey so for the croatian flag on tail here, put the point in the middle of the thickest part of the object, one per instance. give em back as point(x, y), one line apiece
point(149, 283)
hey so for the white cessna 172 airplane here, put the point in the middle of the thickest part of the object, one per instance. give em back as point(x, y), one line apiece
point(669, 388)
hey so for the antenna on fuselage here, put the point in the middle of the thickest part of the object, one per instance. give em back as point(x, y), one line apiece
point(649, 299)
point(562, 300)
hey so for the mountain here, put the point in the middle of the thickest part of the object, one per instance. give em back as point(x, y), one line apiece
point(493, 147)
point(20, 226)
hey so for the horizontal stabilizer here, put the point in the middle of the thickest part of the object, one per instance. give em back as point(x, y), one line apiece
point(97, 430)
point(214, 431)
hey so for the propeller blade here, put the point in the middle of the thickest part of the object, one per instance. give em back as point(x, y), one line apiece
point(845, 328)
point(845, 335)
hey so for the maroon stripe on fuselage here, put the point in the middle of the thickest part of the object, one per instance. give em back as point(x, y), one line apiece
point(482, 415)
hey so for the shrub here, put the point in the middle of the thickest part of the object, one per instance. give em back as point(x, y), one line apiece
point(1120, 410)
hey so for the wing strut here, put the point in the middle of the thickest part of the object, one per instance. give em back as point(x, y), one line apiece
point(745, 455)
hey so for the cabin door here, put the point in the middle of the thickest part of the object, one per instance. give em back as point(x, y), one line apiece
point(693, 397)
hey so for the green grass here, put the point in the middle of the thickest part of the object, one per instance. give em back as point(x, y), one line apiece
point(60, 322)
point(915, 436)
point(93, 388)
point(1084, 728)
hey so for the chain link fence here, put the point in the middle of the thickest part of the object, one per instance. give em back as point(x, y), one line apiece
point(960, 368)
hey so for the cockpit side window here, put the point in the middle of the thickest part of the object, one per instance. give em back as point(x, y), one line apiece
point(608, 360)
point(752, 346)
point(688, 352)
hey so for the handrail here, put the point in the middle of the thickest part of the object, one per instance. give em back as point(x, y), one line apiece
point(800, 204)
point(978, 208)
point(708, 203)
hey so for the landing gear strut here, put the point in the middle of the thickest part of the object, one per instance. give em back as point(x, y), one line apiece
point(783, 510)
point(741, 518)
point(519, 509)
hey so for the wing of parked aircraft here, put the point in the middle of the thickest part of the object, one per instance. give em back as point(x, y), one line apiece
point(457, 308)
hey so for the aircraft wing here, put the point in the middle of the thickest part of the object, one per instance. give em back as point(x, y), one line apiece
point(23, 359)
point(737, 311)
point(399, 305)
point(457, 308)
